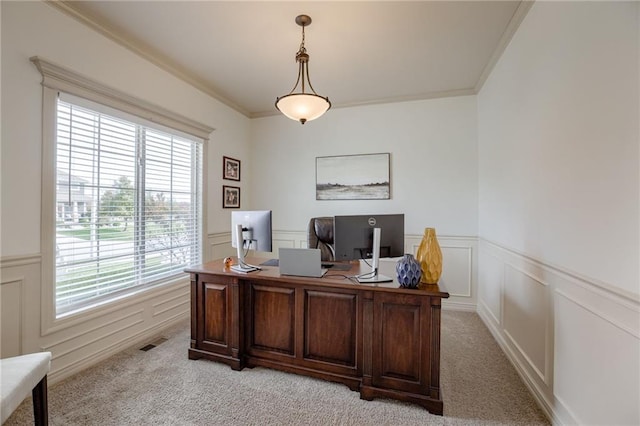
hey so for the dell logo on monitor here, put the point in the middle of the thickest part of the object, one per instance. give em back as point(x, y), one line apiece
point(372, 221)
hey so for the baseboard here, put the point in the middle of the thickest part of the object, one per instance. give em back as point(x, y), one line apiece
point(448, 305)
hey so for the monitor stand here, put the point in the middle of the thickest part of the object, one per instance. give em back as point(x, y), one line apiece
point(377, 278)
point(373, 276)
point(242, 266)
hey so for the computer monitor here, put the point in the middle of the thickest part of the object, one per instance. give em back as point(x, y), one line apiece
point(369, 236)
point(353, 236)
point(250, 229)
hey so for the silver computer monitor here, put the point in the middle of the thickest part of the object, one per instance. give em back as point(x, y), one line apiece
point(250, 230)
point(256, 229)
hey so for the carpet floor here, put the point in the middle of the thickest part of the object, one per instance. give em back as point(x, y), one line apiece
point(162, 386)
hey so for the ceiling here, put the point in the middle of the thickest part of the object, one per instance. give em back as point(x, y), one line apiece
point(361, 52)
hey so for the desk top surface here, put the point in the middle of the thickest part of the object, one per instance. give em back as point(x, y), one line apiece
point(333, 278)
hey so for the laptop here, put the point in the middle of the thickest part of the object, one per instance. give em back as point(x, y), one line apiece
point(301, 262)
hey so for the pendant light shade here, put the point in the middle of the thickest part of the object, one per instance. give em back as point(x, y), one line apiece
point(303, 106)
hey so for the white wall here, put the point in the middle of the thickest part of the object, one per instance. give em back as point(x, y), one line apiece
point(35, 28)
point(433, 163)
point(559, 186)
point(559, 118)
point(433, 176)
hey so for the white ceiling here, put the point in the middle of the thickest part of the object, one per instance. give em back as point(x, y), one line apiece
point(361, 52)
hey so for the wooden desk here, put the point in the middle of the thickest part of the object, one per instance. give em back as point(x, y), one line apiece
point(379, 339)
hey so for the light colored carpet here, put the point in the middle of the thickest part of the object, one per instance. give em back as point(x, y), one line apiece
point(163, 387)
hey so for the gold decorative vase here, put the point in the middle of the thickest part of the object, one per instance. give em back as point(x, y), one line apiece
point(430, 257)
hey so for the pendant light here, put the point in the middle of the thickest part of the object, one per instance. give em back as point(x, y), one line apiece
point(303, 106)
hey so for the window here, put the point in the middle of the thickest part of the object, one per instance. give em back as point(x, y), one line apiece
point(128, 203)
point(123, 197)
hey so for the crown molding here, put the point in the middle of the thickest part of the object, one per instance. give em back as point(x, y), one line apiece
point(514, 23)
point(391, 100)
point(148, 53)
point(145, 52)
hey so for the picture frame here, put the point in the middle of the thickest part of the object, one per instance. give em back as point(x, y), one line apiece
point(230, 169)
point(230, 197)
point(353, 177)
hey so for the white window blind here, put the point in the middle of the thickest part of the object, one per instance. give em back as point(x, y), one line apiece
point(128, 205)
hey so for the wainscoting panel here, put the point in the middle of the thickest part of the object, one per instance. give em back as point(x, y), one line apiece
point(73, 346)
point(219, 246)
point(597, 335)
point(83, 339)
point(288, 239)
point(11, 301)
point(574, 341)
point(19, 273)
point(458, 281)
point(491, 275)
point(528, 332)
point(459, 268)
point(175, 305)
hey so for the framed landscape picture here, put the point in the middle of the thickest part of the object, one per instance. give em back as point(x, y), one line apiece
point(230, 168)
point(353, 177)
point(230, 197)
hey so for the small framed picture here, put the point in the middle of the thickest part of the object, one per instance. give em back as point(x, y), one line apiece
point(230, 197)
point(230, 168)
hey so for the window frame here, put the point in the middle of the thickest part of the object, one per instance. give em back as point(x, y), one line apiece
point(57, 79)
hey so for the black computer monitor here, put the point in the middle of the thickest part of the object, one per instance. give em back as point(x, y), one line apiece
point(353, 236)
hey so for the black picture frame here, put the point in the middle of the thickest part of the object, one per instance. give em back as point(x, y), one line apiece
point(230, 197)
point(230, 169)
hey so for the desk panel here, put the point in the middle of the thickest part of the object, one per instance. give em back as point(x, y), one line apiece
point(330, 326)
point(272, 322)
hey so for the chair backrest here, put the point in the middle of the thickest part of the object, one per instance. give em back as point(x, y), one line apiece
point(320, 235)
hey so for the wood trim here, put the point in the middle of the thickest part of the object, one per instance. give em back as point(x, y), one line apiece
point(60, 78)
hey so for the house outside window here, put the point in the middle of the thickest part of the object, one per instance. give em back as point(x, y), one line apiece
point(128, 205)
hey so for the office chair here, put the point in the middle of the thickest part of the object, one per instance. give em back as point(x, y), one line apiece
point(320, 235)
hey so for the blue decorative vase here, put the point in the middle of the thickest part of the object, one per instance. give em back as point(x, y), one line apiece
point(408, 271)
